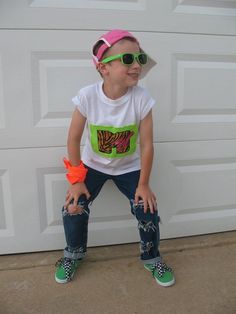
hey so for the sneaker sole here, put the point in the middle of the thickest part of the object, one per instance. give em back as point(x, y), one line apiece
point(163, 284)
point(64, 280)
point(166, 284)
point(147, 268)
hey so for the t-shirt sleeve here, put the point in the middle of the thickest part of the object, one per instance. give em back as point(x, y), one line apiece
point(80, 104)
point(147, 102)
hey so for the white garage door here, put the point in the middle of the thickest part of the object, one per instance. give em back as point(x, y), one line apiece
point(45, 58)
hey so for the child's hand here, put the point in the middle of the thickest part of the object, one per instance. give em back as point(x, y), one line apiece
point(144, 193)
point(73, 193)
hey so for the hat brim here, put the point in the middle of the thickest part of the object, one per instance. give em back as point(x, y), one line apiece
point(151, 63)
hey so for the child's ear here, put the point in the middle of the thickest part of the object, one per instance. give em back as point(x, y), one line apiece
point(102, 68)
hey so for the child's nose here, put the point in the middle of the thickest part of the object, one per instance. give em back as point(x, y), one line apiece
point(136, 63)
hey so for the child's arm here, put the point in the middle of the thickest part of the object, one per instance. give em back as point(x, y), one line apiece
point(73, 146)
point(143, 190)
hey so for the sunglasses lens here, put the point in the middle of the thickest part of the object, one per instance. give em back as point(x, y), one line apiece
point(142, 58)
point(128, 58)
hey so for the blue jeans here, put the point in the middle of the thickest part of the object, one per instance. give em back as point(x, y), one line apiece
point(76, 225)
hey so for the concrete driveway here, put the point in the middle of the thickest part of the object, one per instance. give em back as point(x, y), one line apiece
point(112, 280)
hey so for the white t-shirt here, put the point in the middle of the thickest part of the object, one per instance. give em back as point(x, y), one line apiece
point(112, 127)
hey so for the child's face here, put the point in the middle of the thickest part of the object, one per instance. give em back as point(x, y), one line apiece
point(118, 74)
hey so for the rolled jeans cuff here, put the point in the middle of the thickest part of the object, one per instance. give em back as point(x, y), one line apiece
point(74, 255)
point(151, 261)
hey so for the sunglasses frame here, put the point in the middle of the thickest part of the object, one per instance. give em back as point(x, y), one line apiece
point(120, 56)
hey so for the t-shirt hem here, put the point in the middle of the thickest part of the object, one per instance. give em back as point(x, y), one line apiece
point(114, 173)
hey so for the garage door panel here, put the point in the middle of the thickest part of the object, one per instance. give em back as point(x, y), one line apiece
point(17, 202)
point(209, 17)
point(57, 77)
point(51, 194)
point(6, 209)
point(196, 187)
point(38, 82)
point(2, 112)
point(115, 5)
point(193, 83)
point(204, 89)
point(202, 7)
point(20, 204)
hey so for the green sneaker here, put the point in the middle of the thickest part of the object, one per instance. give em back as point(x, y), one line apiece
point(65, 269)
point(162, 273)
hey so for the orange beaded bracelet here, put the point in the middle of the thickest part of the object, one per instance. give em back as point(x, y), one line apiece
point(75, 173)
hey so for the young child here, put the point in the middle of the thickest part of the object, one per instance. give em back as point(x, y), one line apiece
point(114, 112)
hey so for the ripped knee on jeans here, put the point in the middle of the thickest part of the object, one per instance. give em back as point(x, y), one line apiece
point(145, 247)
point(138, 211)
point(146, 226)
point(73, 210)
point(135, 207)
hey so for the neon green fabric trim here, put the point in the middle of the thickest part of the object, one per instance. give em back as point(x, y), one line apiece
point(113, 142)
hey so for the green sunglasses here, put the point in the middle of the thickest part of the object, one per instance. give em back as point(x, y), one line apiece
point(128, 58)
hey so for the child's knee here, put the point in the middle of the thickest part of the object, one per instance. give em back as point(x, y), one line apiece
point(148, 219)
point(82, 209)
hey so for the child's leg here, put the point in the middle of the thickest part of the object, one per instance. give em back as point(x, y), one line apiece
point(76, 225)
point(76, 230)
point(148, 223)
